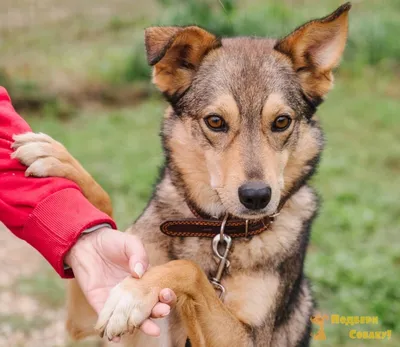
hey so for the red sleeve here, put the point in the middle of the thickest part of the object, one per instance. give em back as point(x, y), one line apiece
point(48, 213)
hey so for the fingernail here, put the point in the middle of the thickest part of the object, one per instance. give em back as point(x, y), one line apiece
point(166, 313)
point(139, 269)
point(167, 296)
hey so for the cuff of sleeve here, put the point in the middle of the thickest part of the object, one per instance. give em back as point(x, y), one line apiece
point(56, 223)
point(88, 231)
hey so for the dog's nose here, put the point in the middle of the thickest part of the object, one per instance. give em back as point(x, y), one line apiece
point(254, 195)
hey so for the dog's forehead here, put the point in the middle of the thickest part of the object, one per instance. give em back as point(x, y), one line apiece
point(250, 70)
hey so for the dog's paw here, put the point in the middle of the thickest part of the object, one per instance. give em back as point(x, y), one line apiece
point(43, 156)
point(127, 307)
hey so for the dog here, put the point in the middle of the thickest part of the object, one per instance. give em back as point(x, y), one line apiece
point(241, 140)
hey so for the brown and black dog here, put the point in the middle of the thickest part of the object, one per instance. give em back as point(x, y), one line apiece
point(241, 139)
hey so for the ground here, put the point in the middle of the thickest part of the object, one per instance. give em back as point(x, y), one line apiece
point(31, 299)
point(24, 321)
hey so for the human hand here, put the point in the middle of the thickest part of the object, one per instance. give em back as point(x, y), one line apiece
point(102, 259)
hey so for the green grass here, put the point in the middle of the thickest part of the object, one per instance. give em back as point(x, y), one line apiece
point(17, 322)
point(86, 47)
point(353, 259)
point(121, 148)
point(44, 287)
point(73, 46)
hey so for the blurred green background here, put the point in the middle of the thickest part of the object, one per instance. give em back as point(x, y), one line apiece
point(77, 71)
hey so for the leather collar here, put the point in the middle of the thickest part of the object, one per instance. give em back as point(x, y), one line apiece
point(205, 226)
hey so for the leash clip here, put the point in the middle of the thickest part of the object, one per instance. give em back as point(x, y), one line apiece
point(223, 258)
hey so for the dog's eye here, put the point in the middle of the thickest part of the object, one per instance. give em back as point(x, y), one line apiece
point(216, 123)
point(281, 123)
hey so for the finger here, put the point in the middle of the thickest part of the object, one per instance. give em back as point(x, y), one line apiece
point(167, 296)
point(150, 328)
point(138, 261)
point(160, 310)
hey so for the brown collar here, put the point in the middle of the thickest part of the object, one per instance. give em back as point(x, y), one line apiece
point(209, 227)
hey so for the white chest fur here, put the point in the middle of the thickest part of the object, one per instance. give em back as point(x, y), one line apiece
point(250, 297)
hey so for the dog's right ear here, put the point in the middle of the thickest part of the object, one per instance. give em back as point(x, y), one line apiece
point(176, 53)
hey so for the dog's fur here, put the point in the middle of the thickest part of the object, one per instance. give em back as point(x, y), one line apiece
point(249, 82)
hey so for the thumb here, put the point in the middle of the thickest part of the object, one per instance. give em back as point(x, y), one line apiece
point(138, 261)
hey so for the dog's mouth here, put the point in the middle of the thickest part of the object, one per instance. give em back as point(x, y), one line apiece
point(237, 210)
point(251, 201)
point(253, 215)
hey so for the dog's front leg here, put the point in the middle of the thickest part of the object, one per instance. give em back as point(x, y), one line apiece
point(207, 320)
point(45, 157)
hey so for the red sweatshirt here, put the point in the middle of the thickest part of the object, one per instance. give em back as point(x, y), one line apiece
point(48, 213)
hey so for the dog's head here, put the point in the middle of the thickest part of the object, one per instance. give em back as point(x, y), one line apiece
point(240, 135)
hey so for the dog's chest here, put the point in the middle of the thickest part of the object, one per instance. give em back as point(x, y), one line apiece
point(251, 296)
point(250, 287)
point(253, 277)
point(200, 251)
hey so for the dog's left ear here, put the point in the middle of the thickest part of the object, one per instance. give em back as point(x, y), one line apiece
point(176, 53)
point(315, 49)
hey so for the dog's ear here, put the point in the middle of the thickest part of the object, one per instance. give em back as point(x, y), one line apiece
point(315, 49)
point(325, 317)
point(176, 53)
